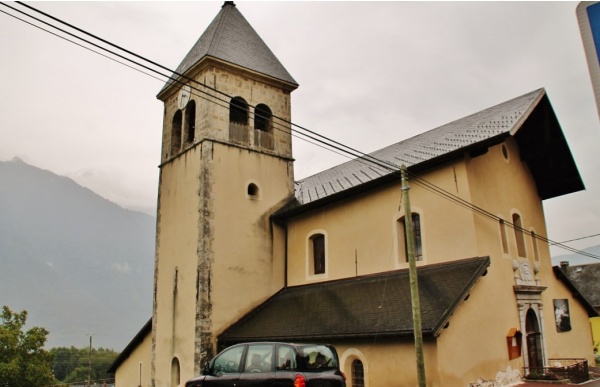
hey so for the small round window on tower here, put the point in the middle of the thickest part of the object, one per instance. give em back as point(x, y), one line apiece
point(252, 190)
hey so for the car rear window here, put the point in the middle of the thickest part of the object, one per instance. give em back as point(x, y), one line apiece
point(317, 357)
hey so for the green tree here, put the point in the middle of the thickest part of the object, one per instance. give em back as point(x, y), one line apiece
point(73, 364)
point(64, 361)
point(102, 359)
point(23, 360)
point(79, 374)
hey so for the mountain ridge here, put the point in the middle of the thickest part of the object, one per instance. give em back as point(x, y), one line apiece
point(78, 263)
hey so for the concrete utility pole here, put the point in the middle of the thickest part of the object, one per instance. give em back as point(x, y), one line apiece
point(414, 285)
point(89, 382)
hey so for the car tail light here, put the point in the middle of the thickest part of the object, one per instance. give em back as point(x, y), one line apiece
point(299, 382)
point(343, 375)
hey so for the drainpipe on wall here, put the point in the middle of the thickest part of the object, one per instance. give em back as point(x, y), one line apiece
point(285, 247)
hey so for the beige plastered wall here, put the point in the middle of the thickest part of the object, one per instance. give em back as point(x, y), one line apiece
point(362, 233)
point(244, 271)
point(363, 230)
point(388, 362)
point(491, 310)
point(177, 252)
point(234, 243)
point(135, 370)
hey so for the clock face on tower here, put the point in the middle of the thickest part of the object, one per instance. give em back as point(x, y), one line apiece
point(184, 96)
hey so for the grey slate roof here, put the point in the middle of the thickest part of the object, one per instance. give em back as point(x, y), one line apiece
point(586, 279)
point(461, 133)
point(476, 130)
point(230, 38)
point(367, 306)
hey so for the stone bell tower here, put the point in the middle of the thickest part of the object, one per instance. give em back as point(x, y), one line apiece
point(226, 165)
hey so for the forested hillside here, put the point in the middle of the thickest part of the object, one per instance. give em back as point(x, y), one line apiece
point(78, 263)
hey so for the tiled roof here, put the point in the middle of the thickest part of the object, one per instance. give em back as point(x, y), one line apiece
point(368, 306)
point(230, 38)
point(492, 122)
point(585, 278)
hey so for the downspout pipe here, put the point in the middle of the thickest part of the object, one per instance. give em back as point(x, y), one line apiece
point(282, 224)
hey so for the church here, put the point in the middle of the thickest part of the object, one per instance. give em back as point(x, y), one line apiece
point(244, 252)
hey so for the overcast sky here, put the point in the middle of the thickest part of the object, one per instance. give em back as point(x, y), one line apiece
point(370, 74)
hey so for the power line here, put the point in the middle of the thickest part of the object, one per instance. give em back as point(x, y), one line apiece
point(307, 135)
point(325, 140)
point(75, 43)
point(578, 239)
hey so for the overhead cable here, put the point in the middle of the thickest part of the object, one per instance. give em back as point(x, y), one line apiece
point(301, 132)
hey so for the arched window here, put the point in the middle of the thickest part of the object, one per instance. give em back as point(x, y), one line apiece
point(252, 190)
point(519, 236)
point(317, 254)
point(175, 372)
point(262, 118)
point(176, 132)
point(417, 237)
point(190, 122)
point(238, 111)
point(358, 374)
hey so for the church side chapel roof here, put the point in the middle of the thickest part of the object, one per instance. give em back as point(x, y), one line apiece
point(583, 281)
point(529, 118)
point(230, 38)
point(367, 306)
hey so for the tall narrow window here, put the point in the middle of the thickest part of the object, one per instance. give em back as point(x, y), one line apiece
point(175, 372)
point(238, 111)
point(318, 254)
point(536, 250)
point(358, 374)
point(417, 237)
point(520, 238)
point(503, 236)
point(176, 132)
point(262, 118)
point(190, 122)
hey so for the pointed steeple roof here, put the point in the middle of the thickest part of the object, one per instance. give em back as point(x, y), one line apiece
point(230, 38)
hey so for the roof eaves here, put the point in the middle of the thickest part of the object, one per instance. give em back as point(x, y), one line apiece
point(139, 338)
point(532, 106)
point(562, 276)
point(462, 275)
point(328, 337)
point(481, 272)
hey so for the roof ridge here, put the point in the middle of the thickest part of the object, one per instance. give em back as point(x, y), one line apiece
point(221, 16)
point(428, 132)
point(443, 143)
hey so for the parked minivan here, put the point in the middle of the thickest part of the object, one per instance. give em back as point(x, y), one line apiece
point(273, 365)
